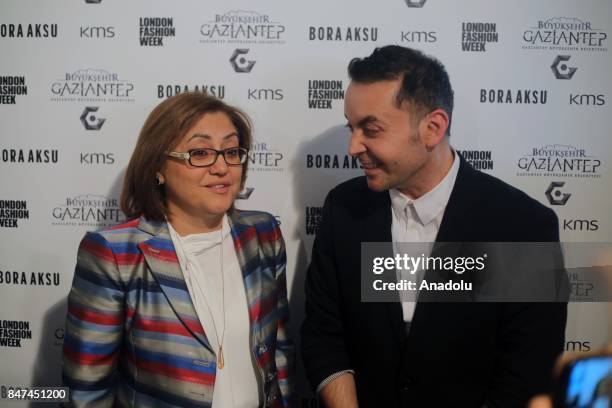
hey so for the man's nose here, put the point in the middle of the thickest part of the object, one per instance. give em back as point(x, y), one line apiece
point(356, 145)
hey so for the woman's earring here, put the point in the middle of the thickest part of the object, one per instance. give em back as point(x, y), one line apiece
point(160, 179)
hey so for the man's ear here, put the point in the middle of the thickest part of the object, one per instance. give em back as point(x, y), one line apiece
point(433, 127)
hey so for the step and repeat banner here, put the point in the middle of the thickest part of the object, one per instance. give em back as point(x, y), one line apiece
point(78, 78)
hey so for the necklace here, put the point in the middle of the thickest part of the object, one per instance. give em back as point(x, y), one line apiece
point(220, 358)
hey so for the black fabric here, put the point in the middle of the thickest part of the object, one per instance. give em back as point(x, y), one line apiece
point(456, 354)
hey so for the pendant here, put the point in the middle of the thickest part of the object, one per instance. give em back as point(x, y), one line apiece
point(220, 362)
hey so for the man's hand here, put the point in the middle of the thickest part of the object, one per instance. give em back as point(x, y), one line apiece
point(340, 393)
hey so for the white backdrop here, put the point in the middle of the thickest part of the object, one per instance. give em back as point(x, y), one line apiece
point(532, 87)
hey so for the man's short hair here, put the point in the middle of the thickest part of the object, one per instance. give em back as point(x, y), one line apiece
point(424, 80)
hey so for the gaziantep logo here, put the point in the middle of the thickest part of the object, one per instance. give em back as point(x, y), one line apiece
point(246, 193)
point(415, 3)
point(555, 195)
point(565, 34)
point(89, 120)
point(242, 27)
point(561, 69)
point(559, 160)
point(239, 61)
point(92, 85)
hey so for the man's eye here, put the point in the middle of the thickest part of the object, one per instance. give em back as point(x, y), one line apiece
point(370, 131)
point(199, 153)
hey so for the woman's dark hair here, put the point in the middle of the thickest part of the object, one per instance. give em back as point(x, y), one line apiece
point(164, 128)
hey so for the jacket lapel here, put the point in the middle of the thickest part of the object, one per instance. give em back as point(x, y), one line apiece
point(246, 243)
point(461, 202)
point(160, 255)
point(453, 228)
point(377, 228)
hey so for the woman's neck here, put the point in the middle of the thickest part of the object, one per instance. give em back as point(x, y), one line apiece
point(184, 224)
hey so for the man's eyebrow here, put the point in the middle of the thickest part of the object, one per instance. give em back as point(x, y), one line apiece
point(367, 120)
point(363, 122)
point(209, 137)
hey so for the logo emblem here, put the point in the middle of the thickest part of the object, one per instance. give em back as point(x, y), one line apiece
point(555, 195)
point(560, 68)
point(415, 3)
point(246, 193)
point(239, 61)
point(89, 119)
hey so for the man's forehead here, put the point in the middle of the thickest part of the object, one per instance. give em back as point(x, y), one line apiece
point(374, 101)
point(373, 89)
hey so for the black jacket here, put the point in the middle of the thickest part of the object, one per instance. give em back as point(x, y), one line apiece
point(456, 354)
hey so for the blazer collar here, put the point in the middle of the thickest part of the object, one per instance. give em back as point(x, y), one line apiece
point(153, 227)
point(160, 255)
point(376, 227)
point(247, 246)
point(463, 198)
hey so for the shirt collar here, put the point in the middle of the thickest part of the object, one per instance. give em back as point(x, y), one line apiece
point(430, 204)
point(198, 243)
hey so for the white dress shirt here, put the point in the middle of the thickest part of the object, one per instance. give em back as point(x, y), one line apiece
point(419, 221)
point(203, 261)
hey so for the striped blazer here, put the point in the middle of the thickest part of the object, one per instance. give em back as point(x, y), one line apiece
point(132, 334)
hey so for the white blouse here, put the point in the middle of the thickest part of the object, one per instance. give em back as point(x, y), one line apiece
point(202, 261)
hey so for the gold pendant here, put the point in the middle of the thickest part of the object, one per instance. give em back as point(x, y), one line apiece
point(220, 362)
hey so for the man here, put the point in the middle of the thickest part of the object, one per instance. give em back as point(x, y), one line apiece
point(417, 188)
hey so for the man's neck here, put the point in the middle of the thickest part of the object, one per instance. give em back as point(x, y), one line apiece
point(431, 174)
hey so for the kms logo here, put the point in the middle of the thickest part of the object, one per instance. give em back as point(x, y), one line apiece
point(97, 158)
point(98, 32)
point(587, 99)
point(266, 94)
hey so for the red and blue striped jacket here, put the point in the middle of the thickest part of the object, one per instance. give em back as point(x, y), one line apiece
point(132, 334)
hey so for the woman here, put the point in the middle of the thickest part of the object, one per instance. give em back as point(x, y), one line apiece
point(184, 305)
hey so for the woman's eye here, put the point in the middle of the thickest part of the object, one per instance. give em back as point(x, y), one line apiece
point(232, 152)
point(199, 153)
